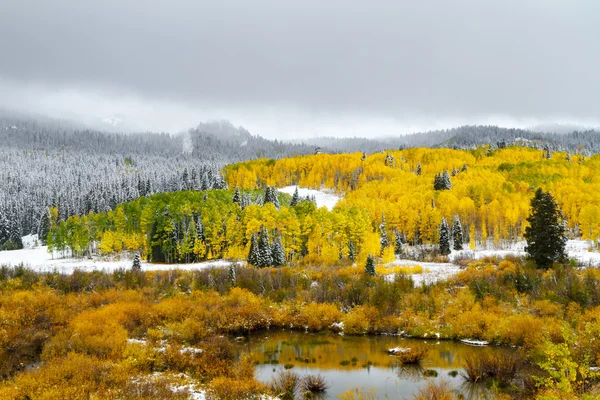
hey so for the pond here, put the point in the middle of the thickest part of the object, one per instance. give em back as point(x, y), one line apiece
point(361, 361)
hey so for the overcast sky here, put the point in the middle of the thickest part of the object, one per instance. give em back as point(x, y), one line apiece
point(304, 67)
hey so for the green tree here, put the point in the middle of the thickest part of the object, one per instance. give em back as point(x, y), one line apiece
point(457, 234)
point(444, 238)
point(370, 266)
point(137, 265)
point(545, 235)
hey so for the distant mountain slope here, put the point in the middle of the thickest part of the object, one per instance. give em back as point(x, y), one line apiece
point(46, 162)
point(466, 137)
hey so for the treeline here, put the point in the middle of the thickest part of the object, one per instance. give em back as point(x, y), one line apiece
point(194, 226)
point(467, 137)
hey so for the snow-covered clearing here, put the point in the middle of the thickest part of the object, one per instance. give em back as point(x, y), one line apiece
point(577, 249)
point(324, 198)
point(432, 272)
point(40, 260)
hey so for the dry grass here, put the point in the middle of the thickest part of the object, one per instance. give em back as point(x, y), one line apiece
point(413, 355)
point(499, 367)
point(285, 385)
point(436, 391)
point(314, 384)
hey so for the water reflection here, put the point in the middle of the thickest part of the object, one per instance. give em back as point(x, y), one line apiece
point(348, 362)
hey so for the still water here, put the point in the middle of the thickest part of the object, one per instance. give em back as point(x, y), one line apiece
point(360, 361)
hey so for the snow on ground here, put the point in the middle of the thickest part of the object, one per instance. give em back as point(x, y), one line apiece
point(30, 241)
point(432, 272)
point(577, 249)
point(324, 198)
point(40, 260)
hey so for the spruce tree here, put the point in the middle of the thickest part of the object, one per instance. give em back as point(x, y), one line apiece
point(444, 238)
point(277, 252)
point(295, 198)
point(370, 266)
point(545, 235)
point(398, 245)
point(457, 234)
point(351, 251)
point(447, 185)
point(271, 197)
point(231, 275)
point(253, 257)
point(419, 169)
point(137, 265)
point(383, 236)
point(237, 198)
point(265, 257)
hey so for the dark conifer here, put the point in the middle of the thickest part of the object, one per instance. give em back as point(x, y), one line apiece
point(444, 239)
point(370, 266)
point(545, 235)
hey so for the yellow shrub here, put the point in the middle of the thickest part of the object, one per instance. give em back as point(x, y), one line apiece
point(360, 320)
point(319, 316)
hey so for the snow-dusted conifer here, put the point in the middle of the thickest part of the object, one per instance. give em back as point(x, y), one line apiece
point(137, 265)
point(370, 266)
point(457, 234)
point(237, 198)
point(444, 238)
point(295, 198)
point(265, 258)
point(277, 252)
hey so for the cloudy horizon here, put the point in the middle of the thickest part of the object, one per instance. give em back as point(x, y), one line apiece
point(297, 69)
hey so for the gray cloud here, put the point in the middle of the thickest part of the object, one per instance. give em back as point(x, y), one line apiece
point(396, 64)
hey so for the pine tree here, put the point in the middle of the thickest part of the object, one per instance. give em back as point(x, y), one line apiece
point(383, 236)
point(231, 275)
point(237, 198)
point(370, 266)
point(444, 238)
point(351, 251)
point(545, 235)
point(398, 245)
point(457, 234)
point(137, 265)
point(271, 196)
point(442, 181)
point(253, 254)
point(447, 185)
point(265, 257)
point(277, 252)
point(464, 168)
point(419, 169)
point(295, 198)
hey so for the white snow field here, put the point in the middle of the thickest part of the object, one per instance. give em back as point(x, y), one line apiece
point(577, 249)
point(324, 198)
point(433, 272)
point(40, 260)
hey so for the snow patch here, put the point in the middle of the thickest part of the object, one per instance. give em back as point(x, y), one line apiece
point(30, 241)
point(399, 350)
point(475, 342)
point(577, 249)
point(324, 198)
point(432, 272)
point(40, 260)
